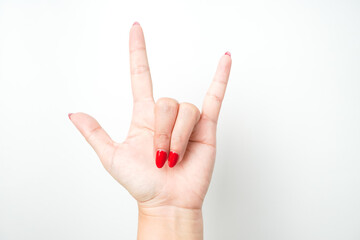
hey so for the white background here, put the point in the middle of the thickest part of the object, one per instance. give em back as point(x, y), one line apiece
point(288, 159)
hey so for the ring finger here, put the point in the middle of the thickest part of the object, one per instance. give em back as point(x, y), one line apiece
point(187, 118)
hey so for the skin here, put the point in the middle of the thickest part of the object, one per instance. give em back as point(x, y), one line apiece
point(169, 199)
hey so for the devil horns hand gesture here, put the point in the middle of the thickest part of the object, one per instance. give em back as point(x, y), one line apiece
point(167, 159)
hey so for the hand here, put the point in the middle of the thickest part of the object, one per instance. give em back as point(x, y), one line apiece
point(161, 129)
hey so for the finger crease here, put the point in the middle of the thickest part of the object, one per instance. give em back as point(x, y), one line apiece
point(93, 132)
point(215, 97)
point(136, 49)
point(206, 117)
point(140, 69)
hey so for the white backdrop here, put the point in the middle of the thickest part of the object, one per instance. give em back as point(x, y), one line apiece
point(288, 157)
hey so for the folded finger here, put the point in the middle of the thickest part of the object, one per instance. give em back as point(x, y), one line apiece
point(188, 116)
point(166, 110)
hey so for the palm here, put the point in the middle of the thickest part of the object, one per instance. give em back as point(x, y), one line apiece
point(131, 162)
point(187, 185)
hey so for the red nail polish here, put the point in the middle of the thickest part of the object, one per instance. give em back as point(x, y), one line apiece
point(160, 158)
point(173, 158)
point(136, 23)
point(228, 53)
point(69, 115)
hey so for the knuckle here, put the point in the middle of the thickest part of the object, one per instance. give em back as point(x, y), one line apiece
point(177, 140)
point(207, 118)
point(162, 137)
point(92, 134)
point(137, 49)
point(139, 69)
point(190, 109)
point(167, 104)
point(215, 97)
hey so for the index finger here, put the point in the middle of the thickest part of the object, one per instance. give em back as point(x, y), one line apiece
point(215, 94)
point(139, 67)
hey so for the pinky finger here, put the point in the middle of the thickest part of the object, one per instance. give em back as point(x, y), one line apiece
point(215, 94)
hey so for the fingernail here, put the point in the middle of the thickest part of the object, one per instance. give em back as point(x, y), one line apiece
point(228, 53)
point(69, 115)
point(173, 158)
point(136, 23)
point(160, 158)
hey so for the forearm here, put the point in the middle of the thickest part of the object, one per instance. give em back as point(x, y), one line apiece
point(170, 223)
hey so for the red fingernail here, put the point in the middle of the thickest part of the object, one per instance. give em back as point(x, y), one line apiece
point(160, 158)
point(173, 158)
point(136, 23)
point(228, 53)
point(69, 115)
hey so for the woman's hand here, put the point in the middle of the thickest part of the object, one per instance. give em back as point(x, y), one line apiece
point(173, 191)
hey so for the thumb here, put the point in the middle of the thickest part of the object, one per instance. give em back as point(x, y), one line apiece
point(95, 135)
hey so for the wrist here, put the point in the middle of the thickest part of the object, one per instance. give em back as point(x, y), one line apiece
point(169, 222)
